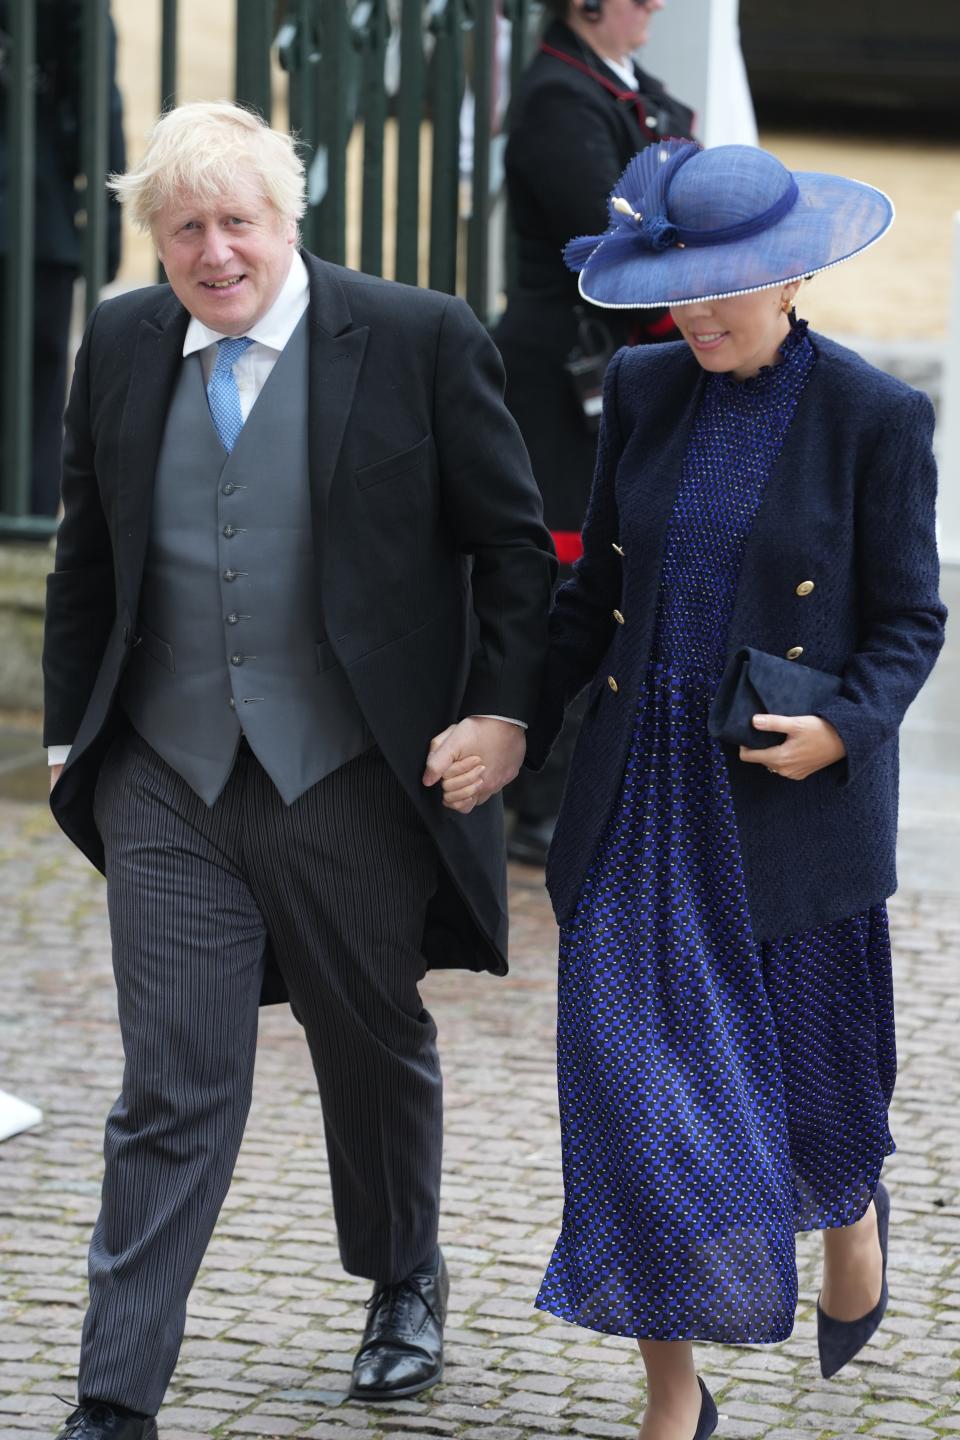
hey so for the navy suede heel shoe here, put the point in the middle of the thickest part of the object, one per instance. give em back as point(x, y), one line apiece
point(839, 1340)
point(708, 1414)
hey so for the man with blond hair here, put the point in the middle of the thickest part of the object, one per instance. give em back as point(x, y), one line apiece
point(301, 572)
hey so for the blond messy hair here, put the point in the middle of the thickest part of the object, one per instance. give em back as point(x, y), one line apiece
point(197, 149)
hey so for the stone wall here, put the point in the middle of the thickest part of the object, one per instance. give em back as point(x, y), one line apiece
point(23, 571)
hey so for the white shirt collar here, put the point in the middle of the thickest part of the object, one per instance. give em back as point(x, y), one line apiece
point(273, 329)
point(624, 70)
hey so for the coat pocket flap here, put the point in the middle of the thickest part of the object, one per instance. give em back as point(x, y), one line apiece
point(392, 465)
point(156, 648)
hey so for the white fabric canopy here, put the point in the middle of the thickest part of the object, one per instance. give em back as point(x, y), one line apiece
point(694, 48)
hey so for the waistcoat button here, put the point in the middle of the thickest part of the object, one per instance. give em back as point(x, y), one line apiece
point(229, 531)
point(619, 549)
point(805, 587)
point(618, 616)
point(794, 652)
point(228, 489)
point(613, 684)
point(233, 618)
point(232, 703)
point(229, 575)
point(236, 659)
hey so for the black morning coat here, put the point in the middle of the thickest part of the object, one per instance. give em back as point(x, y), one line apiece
point(434, 569)
point(570, 138)
point(850, 507)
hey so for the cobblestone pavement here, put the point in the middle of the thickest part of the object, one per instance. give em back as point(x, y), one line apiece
point(273, 1322)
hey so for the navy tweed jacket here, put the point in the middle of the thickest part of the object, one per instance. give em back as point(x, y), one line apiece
point(850, 506)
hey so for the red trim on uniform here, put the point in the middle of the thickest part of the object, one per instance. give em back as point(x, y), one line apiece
point(568, 545)
point(615, 91)
point(662, 326)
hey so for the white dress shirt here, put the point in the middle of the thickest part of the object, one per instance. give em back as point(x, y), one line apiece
point(624, 71)
point(270, 334)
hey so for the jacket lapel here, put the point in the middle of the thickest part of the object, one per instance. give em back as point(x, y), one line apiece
point(156, 364)
point(660, 437)
point(336, 354)
point(559, 37)
point(789, 483)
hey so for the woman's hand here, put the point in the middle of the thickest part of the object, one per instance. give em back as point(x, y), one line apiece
point(462, 784)
point(811, 745)
point(475, 759)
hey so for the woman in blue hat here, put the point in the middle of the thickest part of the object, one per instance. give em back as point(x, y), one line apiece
point(763, 514)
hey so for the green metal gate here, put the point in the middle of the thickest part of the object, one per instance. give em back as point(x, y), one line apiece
point(339, 102)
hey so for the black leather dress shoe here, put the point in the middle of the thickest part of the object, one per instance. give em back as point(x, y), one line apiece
point(529, 840)
point(839, 1340)
point(402, 1350)
point(99, 1421)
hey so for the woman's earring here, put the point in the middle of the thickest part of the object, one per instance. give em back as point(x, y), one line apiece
point(786, 304)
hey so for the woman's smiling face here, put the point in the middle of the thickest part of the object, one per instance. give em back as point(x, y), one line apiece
point(739, 335)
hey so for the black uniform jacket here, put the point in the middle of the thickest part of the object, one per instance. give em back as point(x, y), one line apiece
point(433, 566)
point(573, 128)
point(850, 507)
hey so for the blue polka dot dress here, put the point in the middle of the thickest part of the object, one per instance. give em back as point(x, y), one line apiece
point(716, 1094)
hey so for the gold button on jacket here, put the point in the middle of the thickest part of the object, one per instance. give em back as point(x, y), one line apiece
point(617, 615)
point(794, 652)
point(613, 684)
point(805, 587)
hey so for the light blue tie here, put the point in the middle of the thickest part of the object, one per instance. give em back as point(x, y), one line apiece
point(223, 397)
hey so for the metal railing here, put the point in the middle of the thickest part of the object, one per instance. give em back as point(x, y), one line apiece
point(340, 103)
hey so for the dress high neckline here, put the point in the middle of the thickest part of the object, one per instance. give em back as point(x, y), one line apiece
point(793, 348)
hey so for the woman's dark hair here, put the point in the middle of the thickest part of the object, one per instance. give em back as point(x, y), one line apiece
point(560, 9)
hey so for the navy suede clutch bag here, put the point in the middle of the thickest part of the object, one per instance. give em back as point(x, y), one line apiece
point(755, 683)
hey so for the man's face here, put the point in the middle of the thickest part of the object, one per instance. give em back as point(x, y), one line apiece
point(226, 259)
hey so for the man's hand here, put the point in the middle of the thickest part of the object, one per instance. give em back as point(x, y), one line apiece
point(55, 773)
point(475, 759)
point(811, 745)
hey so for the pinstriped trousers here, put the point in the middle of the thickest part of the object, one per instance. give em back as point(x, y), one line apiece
point(339, 883)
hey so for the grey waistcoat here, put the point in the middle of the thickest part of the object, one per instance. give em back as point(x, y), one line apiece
point(230, 635)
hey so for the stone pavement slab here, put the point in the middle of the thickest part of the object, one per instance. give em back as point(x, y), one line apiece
point(273, 1322)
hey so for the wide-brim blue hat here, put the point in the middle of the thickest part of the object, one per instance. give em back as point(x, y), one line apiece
point(692, 224)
